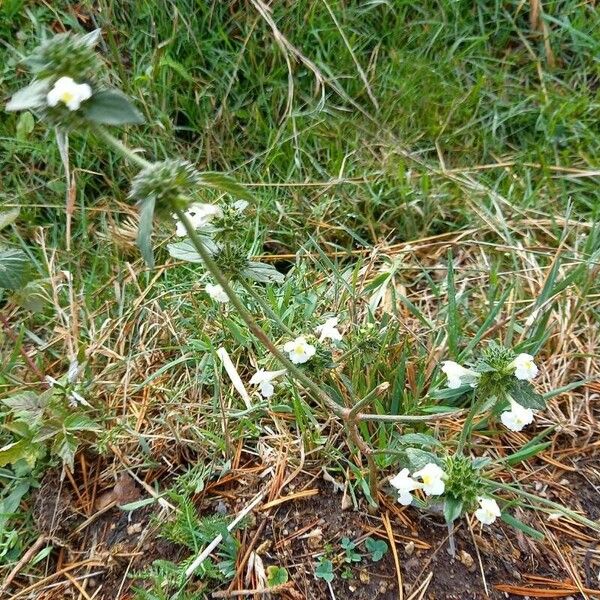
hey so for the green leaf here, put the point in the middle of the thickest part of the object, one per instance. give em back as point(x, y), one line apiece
point(452, 509)
point(418, 458)
point(34, 296)
point(525, 453)
point(131, 506)
point(480, 462)
point(324, 571)
point(224, 183)
point(526, 529)
point(276, 576)
point(7, 217)
point(25, 126)
point(263, 273)
point(111, 107)
point(186, 251)
point(21, 450)
point(78, 422)
point(144, 235)
point(65, 446)
point(14, 269)
point(29, 98)
point(452, 328)
point(28, 405)
point(377, 548)
point(523, 393)
point(92, 38)
point(419, 439)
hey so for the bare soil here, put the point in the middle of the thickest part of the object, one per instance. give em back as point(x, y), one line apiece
point(102, 552)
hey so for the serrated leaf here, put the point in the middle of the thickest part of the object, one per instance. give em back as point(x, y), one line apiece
point(522, 393)
point(8, 216)
point(14, 269)
point(79, 422)
point(28, 405)
point(21, 450)
point(65, 446)
point(224, 183)
point(263, 273)
point(145, 227)
point(111, 107)
point(452, 509)
point(29, 98)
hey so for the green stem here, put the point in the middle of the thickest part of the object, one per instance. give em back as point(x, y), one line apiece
point(405, 418)
point(543, 501)
point(122, 148)
point(266, 308)
point(468, 425)
point(368, 398)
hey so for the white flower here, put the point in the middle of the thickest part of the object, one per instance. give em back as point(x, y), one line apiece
point(433, 479)
point(199, 214)
point(405, 485)
point(517, 417)
point(263, 379)
point(525, 368)
point(459, 375)
point(329, 330)
point(488, 511)
point(73, 372)
point(299, 351)
point(216, 292)
point(76, 398)
point(68, 92)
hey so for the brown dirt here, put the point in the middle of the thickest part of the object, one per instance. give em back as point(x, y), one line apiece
point(295, 533)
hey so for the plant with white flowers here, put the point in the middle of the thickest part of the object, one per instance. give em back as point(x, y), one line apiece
point(209, 213)
point(502, 380)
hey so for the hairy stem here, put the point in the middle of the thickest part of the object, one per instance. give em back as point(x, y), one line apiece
point(117, 144)
point(465, 433)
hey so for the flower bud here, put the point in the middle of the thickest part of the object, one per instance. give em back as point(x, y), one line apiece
point(171, 183)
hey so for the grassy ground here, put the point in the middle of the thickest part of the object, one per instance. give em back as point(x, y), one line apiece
point(428, 168)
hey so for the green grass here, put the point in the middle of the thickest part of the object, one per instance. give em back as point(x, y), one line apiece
point(449, 200)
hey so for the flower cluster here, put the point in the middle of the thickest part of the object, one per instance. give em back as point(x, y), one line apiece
point(170, 183)
point(499, 373)
point(432, 482)
point(199, 215)
point(67, 89)
point(435, 481)
point(67, 54)
point(299, 350)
